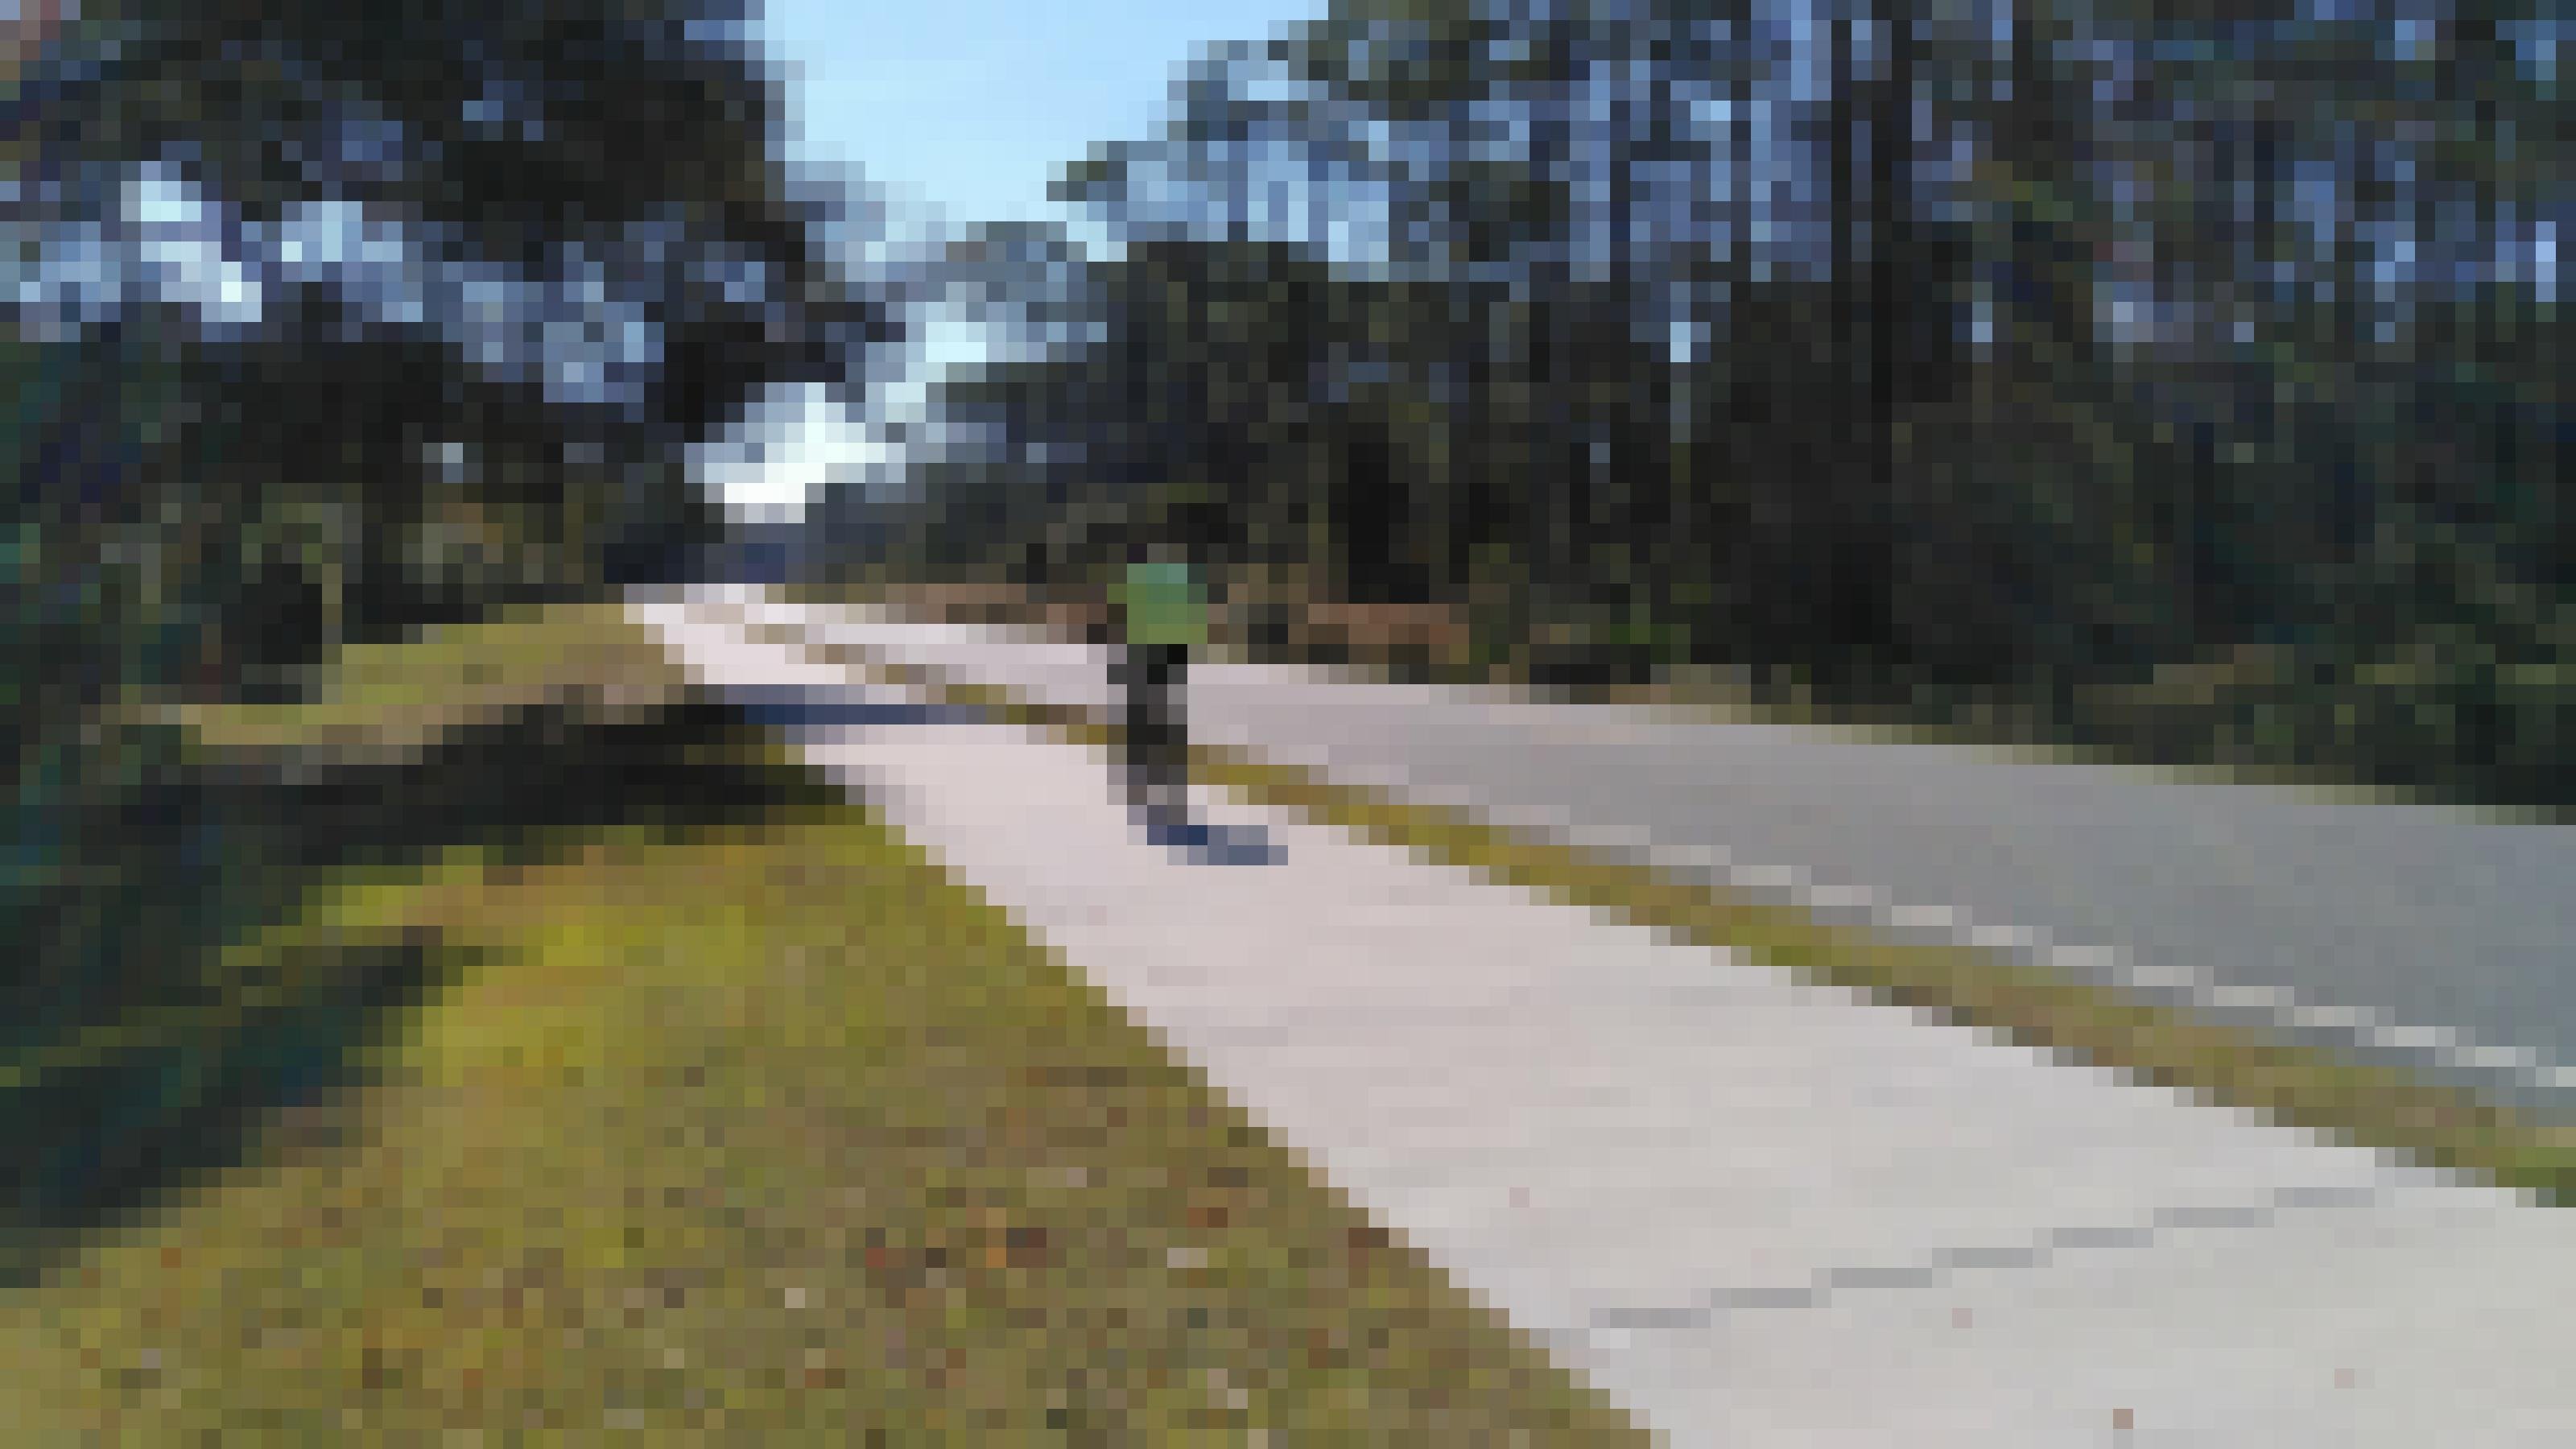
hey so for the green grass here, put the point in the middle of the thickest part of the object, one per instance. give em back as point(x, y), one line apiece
point(779, 1136)
point(772, 1134)
point(2078, 1021)
point(387, 699)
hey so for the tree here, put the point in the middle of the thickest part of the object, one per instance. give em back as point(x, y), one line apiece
point(495, 138)
point(190, 502)
point(2070, 500)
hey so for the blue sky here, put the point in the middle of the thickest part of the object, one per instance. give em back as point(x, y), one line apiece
point(969, 106)
point(959, 112)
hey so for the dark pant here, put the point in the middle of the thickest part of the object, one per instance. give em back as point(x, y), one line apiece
point(1156, 752)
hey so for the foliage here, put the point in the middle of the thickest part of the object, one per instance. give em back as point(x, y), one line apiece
point(1917, 456)
point(206, 513)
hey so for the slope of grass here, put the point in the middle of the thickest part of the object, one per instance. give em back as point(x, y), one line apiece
point(384, 700)
point(770, 1135)
point(130, 1068)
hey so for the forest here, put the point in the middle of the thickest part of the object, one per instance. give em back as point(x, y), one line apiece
point(472, 335)
point(2178, 382)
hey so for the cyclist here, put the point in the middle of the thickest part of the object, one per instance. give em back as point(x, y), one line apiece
point(1161, 616)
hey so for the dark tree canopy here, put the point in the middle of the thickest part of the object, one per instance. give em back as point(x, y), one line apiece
point(203, 509)
point(2057, 371)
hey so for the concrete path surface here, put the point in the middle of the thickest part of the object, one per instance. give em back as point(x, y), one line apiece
point(1755, 1211)
point(2423, 937)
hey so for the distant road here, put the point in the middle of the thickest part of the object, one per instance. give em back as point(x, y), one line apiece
point(2431, 935)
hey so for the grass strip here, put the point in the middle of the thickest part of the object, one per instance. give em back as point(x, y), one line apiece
point(2080, 1022)
point(775, 1134)
point(384, 700)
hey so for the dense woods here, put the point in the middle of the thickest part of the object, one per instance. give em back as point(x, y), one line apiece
point(472, 331)
point(2179, 379)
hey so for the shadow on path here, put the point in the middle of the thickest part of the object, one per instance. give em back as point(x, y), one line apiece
point(795, 707)
point(1205, 843)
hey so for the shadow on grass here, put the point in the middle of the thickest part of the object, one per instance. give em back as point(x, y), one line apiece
point(132, 1066)
point(105, 1141)
point(526, 788)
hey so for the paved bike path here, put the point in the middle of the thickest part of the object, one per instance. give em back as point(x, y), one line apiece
point(1756, 1211)
point(2429, 938)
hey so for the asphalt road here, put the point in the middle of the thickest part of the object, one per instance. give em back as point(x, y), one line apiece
point(2439, 937)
